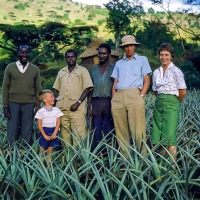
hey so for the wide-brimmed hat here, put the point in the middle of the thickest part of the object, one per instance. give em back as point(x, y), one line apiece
point(128, 39)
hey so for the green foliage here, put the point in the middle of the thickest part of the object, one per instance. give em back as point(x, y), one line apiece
point(157, 30)
point(89, 18)
point(151, 11)
point(45, 40)
point(119, 14)
point(100, 22)
point(191, 75)
point(80, 173)
point(79, 22)
point(66, 16)
point(95, 12)
point(20, 6)
point(196, 24)
point(59, 8)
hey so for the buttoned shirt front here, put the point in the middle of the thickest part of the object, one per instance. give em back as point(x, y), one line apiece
point(169, 82)
point(131, 73)
point(71, 86)
point(20, 66)
point(102, 82)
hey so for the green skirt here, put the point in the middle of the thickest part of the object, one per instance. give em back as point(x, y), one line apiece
point(165, 119)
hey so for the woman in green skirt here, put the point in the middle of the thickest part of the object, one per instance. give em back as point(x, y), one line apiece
point(170, 89)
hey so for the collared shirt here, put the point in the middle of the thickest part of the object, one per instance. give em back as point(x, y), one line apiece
point(48, 117)
point(131, 73)
point(71, 86)
point(169, 82)
point(102, 82)
point(20, 66)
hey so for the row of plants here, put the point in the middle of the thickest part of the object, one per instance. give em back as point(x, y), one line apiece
point(81, 173)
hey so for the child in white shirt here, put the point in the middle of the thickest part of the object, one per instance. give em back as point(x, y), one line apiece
point(48, 123)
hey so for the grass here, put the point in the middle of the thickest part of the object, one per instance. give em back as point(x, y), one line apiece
point(85, 174)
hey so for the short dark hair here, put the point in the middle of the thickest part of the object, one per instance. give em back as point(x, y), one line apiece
point(42, 94)
point(71, 51)
point(166, 47)
point(106, 46)
point(20, 47)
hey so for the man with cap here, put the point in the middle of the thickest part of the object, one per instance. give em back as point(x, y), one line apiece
point(21, 86)
point(131, 82)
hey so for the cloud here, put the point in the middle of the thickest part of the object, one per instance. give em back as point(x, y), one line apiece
point(174, 5)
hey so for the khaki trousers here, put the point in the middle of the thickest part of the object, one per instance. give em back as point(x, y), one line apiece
point(73, 127)
point(129, 119)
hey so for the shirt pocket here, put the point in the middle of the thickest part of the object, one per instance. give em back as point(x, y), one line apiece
point(60, 101)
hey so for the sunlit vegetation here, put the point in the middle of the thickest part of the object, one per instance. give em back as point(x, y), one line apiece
point(84, 174)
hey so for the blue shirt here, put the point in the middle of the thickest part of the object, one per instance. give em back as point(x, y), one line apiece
point(131, 73)
point(102, 82)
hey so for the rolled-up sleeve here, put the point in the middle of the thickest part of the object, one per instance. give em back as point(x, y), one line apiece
point(146, 69)
point(56, 84)
point(87, 81)
point(115, 73)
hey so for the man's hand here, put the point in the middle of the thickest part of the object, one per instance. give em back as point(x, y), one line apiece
point(6, 112)
point(74, 107)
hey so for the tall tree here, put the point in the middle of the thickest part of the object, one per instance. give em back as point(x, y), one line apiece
point(45, 40)
point(119, 17)
point(165, 5)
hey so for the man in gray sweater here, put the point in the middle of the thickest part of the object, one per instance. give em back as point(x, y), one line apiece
point(21, 86)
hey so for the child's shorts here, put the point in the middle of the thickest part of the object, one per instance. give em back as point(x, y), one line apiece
point(51, 143)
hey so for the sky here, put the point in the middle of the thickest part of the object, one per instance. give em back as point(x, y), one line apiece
point(174, 4)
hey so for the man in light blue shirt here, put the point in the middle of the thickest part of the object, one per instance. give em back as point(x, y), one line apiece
point(131, 82)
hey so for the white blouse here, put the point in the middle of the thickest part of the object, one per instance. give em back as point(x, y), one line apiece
point(169, 82)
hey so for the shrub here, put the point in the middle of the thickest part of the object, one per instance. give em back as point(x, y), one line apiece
point(66, 16)
point(100, 22)
point(59, 8)
point(89, 18)
point(20, 6)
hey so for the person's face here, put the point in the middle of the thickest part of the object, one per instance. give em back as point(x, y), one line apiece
point(130, 50)
point(49, 99)
point(71, 59)
point(165, 57)
point(23, 55)
point(103, 55)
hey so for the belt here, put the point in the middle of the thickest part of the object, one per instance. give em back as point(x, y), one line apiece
point(101, 97)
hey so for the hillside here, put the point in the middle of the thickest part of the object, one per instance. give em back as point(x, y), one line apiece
point(71, 12)
point(65, 11)
point(38, 11)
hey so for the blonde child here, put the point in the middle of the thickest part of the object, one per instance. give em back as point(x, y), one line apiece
point(48, 123)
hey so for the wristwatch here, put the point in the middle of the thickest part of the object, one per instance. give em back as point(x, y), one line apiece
point(79, 101)
point(142, 95)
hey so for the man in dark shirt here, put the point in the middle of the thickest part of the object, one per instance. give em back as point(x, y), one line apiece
point(100, 96)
